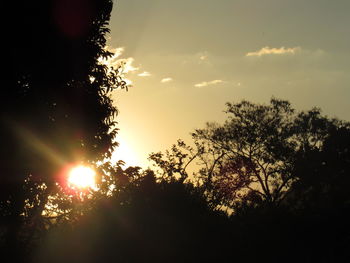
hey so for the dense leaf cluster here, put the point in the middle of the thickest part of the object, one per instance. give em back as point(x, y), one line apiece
point(56, 107)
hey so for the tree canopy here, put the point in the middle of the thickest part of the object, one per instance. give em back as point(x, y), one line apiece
point(56, 107)
point(251, 157)
point(281, 175)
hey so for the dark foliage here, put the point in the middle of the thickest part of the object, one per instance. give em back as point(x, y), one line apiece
point(250, 159)
point(170, 218)
point(282, 175)
point(325, 174)
point(55, 105)
point(150, 222)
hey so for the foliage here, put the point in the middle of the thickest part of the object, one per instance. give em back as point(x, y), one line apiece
point(324, 175)
point(146, 222)
point(56, 107)
point(156, 219)
point(173, 215)
point(250, 159)
point(283, 174)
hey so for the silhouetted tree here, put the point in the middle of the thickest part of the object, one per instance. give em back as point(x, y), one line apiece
point(324, 173)
point(250, 159)
point(56, 106)
point(321, 198)
point(175, 216)
point(283, 173)
point(149, 222)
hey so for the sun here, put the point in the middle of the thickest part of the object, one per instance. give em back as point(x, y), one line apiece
point(82, 177)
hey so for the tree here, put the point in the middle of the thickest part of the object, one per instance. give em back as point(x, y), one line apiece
point(324, 175)
point(56, 106)
point(148, 221)
point(249, 159)
point(282, 175)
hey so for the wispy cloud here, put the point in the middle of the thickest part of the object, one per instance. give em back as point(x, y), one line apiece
point(209, 83)
point(165, 80)
point(115, 61)
point(273, 51)
point(112, 61)
point(144, 74)
point(127, 65)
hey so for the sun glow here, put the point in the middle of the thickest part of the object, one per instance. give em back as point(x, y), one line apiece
point(126, 153)
point(81, 177)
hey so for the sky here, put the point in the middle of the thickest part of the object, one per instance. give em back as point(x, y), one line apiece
point(187, 58)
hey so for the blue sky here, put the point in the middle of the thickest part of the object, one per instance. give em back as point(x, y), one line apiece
point(189, 57)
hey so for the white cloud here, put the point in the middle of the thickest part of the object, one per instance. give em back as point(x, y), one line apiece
point(209, 83)
point(117, 51)
point(115, 61)
point(144, 74)
point(165, 80)
point(127, 65)
point(124, 65)
point(273, 51)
